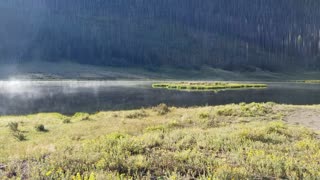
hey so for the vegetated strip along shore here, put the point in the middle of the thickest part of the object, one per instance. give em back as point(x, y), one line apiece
point(199, 86)
point(237, 141)
point(309, 81)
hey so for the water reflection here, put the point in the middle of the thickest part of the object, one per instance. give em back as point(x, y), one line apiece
point(23, 97)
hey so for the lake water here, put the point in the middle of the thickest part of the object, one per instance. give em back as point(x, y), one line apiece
point(68, 97)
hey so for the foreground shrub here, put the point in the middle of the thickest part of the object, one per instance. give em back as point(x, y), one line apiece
point(13, 126)
point(161, 109)
point(137, 114)
point(81, 116)
point(40, 128)
point(19, 136)
point(16, 133)
point(66, 121)
point(245, 110)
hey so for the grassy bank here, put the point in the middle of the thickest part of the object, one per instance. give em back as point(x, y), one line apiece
point(223, 142)
point(205, 86)
point(310, 81)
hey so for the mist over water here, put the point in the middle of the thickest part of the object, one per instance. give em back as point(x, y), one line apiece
point(68, 97)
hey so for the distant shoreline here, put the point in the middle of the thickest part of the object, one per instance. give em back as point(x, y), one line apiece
point(72, 71)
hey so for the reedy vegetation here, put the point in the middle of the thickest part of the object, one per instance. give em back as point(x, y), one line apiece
point(312, 81)
point(205, 86)
point(222, 142)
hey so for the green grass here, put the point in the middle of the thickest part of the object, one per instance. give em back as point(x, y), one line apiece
point(236, 141)
point(311, 81)
point(205, 86)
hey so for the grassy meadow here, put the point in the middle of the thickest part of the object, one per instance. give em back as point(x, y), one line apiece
point(236, 141)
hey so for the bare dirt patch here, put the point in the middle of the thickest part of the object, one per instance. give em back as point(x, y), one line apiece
point(305, 116)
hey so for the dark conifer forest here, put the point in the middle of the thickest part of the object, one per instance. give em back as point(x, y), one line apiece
point(274, 35)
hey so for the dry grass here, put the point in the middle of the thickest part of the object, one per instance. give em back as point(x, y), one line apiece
point(222, 142)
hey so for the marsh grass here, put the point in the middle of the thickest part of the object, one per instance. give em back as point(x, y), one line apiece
point(186, 143)
point(205, 86)
point(311, 81)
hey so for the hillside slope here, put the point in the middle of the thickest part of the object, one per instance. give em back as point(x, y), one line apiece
point(242, 35)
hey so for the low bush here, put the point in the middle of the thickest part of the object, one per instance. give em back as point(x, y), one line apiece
point(40, 128)
point(245, 110)
point(161, 109)
point(137, 114)
point(13, 126)
point(204, 115)
point(66, 121)
point(81, 116)
point(19, 136)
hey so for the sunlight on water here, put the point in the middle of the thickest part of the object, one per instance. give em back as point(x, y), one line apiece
point(33, 89)
point(14, 86)
point(25, 97)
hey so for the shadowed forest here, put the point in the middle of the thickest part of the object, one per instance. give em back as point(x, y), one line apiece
point(234, 35)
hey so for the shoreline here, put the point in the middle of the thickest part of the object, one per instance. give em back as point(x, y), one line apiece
point(68, 70)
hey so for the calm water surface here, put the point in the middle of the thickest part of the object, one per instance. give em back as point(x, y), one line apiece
point(23, 97)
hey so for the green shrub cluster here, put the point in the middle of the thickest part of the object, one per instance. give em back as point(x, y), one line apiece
point(245, 110)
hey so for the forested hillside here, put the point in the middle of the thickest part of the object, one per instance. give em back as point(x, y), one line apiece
point(229, 34)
